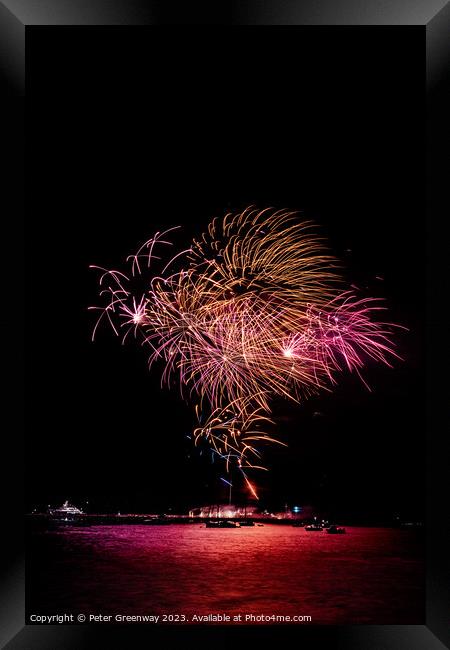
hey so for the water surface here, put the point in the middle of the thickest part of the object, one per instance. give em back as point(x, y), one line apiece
point(369, 575)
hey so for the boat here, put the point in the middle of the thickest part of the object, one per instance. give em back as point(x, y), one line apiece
point(336, 530)
point(222, 523)
point(65, 509)
point(247, 522)
point(298, 524)
point(160, 520)
point(313, 527)
point(66, 512)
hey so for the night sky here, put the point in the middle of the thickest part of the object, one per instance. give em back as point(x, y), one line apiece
point(167, 127)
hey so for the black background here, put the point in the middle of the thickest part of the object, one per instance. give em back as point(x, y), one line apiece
point(156, 128)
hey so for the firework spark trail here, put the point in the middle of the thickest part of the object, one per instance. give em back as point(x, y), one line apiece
point(257, 310)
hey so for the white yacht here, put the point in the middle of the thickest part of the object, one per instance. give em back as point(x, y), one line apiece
point(66, 511)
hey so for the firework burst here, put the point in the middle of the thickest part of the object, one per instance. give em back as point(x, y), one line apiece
point(254, 308)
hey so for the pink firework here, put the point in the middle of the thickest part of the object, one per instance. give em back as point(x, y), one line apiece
point(253, 309)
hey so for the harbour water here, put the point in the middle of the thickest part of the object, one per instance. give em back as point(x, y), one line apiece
point(369, 575)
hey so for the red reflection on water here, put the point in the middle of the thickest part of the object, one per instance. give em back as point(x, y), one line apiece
point(369, 575)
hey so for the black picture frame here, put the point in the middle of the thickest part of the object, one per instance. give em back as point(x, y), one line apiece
point(17, 19)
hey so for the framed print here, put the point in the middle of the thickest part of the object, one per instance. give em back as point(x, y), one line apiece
point(224, 300)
